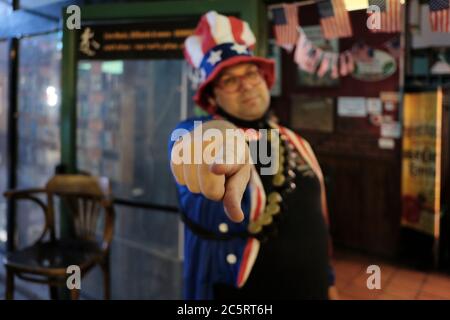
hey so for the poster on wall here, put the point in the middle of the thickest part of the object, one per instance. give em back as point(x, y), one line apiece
point(377, 67)
point(421, 167)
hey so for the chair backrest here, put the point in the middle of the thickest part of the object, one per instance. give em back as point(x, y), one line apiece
point(85, 197)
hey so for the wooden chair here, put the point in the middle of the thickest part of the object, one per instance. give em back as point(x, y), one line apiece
point(85, 199)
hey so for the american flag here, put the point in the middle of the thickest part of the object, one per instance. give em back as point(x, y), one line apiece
point(307, 56)
point(390, 15)
point(285, 23)
point(346, 65)
point(440, 15)
point(334, 20)
point(324, 64)
point(334, 66)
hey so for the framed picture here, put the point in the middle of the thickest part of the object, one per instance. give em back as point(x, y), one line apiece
point(305, 79)
point(312, 113)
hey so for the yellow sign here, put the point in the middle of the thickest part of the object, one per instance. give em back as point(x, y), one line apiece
point(421, 166)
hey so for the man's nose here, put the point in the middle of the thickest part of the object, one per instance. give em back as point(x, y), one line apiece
point(245, 84)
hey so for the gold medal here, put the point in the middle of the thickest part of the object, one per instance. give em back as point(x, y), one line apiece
point(272, 209)
point(255, 227)
point(266, 219)
point(274, 197)
point(279, 179)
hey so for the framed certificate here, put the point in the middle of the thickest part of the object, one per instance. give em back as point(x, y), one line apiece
point(312, 113)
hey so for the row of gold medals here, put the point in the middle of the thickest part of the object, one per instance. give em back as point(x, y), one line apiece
point(274, 199)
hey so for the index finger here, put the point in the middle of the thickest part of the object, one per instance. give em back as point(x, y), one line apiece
point(234, 190)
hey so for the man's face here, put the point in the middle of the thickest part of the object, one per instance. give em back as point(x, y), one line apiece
point(242, 92)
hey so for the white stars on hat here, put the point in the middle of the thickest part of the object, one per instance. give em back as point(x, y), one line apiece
point(202, 75)
point(239, 48)
point(215, 57)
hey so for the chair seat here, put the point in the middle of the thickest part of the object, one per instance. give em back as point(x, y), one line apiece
point(53, 258)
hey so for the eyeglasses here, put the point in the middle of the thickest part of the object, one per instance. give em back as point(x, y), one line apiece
point(231, 84)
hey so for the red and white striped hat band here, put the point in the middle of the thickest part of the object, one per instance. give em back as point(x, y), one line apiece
point(218, 42)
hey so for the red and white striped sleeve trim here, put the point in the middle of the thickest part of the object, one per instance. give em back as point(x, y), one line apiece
point(258, 202)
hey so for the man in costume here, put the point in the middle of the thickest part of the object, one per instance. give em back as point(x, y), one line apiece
point(247, 235)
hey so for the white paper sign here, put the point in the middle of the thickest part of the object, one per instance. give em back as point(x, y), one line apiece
point(374, 106)
point(352, 107)
point(385, 143)
point(390, 130)
point(389, 106)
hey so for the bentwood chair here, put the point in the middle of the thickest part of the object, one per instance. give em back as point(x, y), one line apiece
point(88, 205)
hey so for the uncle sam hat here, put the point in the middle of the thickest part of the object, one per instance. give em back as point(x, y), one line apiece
point(218, 42)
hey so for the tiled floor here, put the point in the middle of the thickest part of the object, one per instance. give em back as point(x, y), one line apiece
point(397, 282)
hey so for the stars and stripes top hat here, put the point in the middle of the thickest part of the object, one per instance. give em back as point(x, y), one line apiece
point(218, 42)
